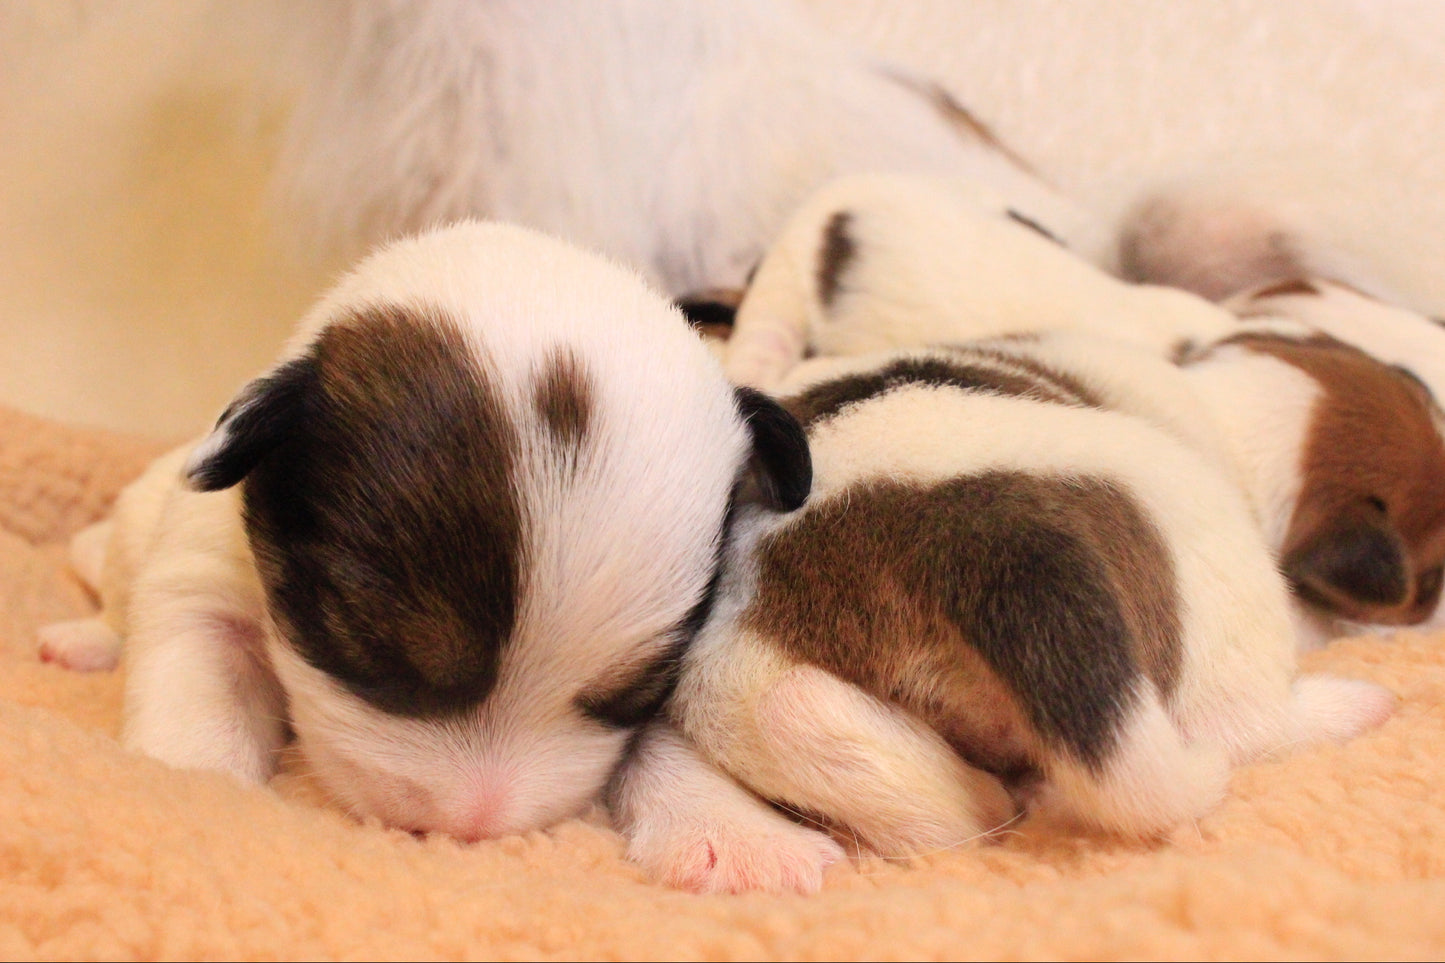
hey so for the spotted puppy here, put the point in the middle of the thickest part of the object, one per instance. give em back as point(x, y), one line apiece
point(455, 539)
point(1329, 443)
point(999, 588)
point(879, 261)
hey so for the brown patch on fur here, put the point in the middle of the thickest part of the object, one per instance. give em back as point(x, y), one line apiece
point(995, 372)
point(1068, 388)
point(1285, 288)
point(1184, 351)
point(385, 521)
point(1024, 220)
point(1007, 611)
point(834, 256)
point(563, 397)
point(1374, 475)
point(959, 117)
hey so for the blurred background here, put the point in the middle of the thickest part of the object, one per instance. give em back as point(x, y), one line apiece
point(147, 269)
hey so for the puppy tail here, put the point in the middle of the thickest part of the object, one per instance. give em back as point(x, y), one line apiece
point(1151, 783)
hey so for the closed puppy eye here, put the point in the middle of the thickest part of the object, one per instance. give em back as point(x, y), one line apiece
point(634, 701)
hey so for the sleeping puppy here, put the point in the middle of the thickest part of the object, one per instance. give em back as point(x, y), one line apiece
point(878, 261)
point(997, 589)
point(1343, 455)
point(455, 539)
point(1339, 453)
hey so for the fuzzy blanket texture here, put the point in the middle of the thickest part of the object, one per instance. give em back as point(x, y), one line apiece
point(1331, 853)
point(1334, 852)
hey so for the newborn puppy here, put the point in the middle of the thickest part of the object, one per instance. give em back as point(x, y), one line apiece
point(996, 586)
point(455, 539)
point(871, 262)
point(1344, 459)
point(1340, 454)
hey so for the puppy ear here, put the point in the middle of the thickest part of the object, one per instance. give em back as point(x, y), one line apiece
point(1359, 559)
point(781, 465)
point(259, 419)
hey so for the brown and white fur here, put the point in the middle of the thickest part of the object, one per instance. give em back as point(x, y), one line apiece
point(1344, 458)
point(1339, 452)
point(1373, 446)
point(877, 261)
point(454, 539)
point(995, 581)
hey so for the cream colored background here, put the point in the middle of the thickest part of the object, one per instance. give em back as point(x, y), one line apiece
point(144, 273)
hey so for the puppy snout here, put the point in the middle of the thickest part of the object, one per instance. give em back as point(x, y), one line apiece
point(484, 814)
point(1356, 568)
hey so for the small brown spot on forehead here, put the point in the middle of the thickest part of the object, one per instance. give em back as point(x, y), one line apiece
point(985, 600)
point(564, 398)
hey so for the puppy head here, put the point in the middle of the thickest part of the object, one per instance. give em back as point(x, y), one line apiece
point(1365, 540)
point(485, 494)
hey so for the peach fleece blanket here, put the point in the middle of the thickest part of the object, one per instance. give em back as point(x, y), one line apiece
point(1330, 853)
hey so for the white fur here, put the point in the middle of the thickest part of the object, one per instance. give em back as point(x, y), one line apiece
point(1263, 406)
point(677, 137)
point(934, 260)
point(615, 554)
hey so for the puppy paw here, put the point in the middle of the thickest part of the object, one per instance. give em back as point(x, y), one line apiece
point(738, 856)
point(82, 645)
point(1333, 709)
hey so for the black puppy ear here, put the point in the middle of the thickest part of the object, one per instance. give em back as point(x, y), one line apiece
point(258, 420)
point(781, 464)
point(1361, 560)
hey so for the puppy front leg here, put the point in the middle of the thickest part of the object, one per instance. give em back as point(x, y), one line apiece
point(200, 693)
point(691, 826)
point(816, 743)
